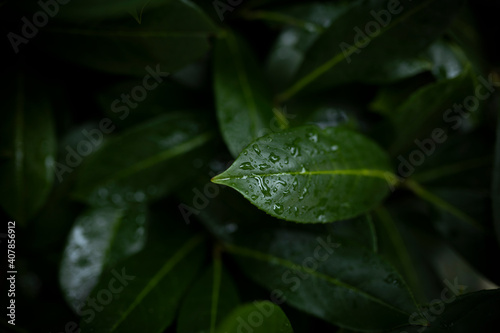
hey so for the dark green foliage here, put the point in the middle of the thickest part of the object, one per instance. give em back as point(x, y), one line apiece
point(250, 166)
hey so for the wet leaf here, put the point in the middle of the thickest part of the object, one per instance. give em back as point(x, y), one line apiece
point(99, 239)
point(143, 292)
point(375, 41)
point(300, 266)
point(311, 175)
point(140, 165)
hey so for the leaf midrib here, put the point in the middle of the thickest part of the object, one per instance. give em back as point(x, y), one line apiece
point(155, 159)
point(291, 265)
point(389, 176)
point(155, 280)
point(339, 57)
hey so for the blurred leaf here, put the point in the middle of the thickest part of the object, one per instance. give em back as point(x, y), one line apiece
point(324, 275)
point(374, 42)
point(305, 22)
point(166, 97)
point(394, 247)
point(361, 229)
point(460, 216)
point(311, 175)
point(99, 239)
point(473, 312)
point(427, 106)
point(27, 147)
point(143, 163)
point(145, 290)
point(168, 38)
point(258, 317)
point(211, 298)
point(243, 103)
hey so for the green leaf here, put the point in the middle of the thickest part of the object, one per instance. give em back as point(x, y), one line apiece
point(165, 98)
point(211, 298)
point(147, 287)
point(361, 229)
point(27, 147)
point(99, 239)
point(325, 275)
point(427, 107)
point(168, 38)
point(243, 102)
point(310, 175)
point(305, 24)
point(143, 163)
point(394, 247)
point(257, 317)
point(373, 42)
point(473, 312)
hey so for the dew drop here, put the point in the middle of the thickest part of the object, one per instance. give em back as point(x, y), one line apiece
point(304, 193)
point(281, 182)
point(256, 149)
point(313, 137)
point(263, 166)
point(246, 166)
point(263, 187)
point(278, 209)
point(274, 158)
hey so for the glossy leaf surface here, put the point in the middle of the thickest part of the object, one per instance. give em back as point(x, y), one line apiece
point(141, 164)
point(99, 238)
point(374, 42)
point(145, 290)
point(325, 275)
point(311, 175)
